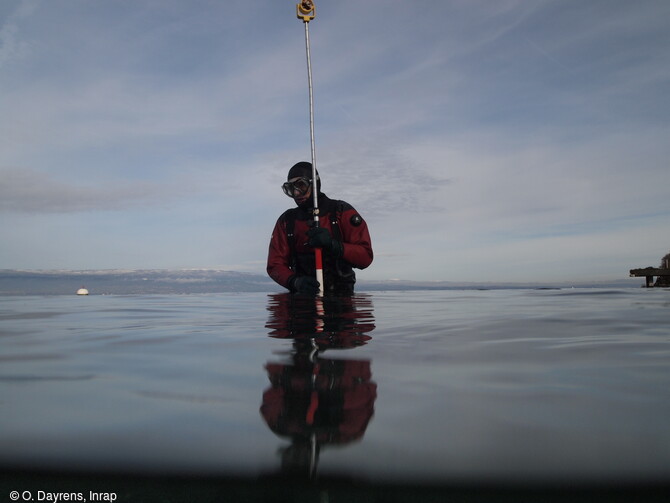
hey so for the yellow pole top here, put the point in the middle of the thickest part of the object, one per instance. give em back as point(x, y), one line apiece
point(306, 10)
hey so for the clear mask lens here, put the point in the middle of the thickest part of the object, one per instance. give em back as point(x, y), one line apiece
point(296, 188)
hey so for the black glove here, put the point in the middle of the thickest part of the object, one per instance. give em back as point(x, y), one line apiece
point(319, 237)
point(306, 285)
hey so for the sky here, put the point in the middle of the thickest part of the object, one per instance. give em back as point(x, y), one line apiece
point(497, 140)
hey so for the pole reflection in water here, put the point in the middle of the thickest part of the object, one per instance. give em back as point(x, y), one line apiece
point(314, 401)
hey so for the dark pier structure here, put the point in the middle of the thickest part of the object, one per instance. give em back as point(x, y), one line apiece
point(662, 275)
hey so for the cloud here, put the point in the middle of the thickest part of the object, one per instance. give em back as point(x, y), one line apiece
point(28, 191)
point(381, 177)
point(12, 47)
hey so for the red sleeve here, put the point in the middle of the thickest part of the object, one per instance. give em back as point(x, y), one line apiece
point(279, 255)
point(356, 239)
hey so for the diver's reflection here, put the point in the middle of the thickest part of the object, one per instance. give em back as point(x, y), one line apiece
point(315, 401)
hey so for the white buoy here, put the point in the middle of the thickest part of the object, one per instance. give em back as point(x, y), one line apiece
point(82, 291)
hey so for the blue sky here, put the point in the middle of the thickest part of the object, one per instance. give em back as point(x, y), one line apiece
point(482, 140)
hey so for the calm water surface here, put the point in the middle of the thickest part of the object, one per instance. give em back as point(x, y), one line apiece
point(428, 386)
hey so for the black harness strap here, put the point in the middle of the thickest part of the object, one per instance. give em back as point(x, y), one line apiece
point(289, 223)
point(335, 221)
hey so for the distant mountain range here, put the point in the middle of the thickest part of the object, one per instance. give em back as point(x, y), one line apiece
point(152, 281)
point(140, 281)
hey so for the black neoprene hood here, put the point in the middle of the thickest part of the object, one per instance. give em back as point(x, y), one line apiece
point(303, 169)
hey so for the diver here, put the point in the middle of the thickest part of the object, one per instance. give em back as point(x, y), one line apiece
point(342, 235)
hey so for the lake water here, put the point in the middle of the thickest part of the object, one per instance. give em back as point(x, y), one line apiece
point(420, 386)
